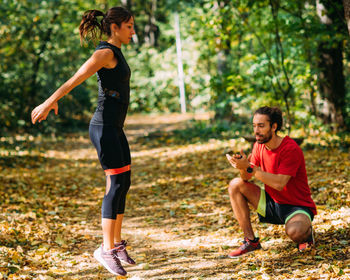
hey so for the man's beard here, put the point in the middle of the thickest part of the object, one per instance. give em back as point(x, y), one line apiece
point(264, 139)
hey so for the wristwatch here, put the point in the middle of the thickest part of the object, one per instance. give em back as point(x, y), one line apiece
point(250, 168)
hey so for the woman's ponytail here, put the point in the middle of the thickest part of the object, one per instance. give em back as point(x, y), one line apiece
point(90, 27)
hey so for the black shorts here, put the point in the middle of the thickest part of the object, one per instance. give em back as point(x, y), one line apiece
point(111, 145)
point(278, 214)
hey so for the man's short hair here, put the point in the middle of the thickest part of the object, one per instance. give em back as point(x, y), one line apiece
point(274, 114)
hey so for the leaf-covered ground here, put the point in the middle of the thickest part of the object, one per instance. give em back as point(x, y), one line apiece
point(179, 222)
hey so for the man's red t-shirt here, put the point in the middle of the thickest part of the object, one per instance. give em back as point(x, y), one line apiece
point(287, 159)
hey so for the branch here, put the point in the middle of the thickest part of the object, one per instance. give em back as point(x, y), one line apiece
point(280, 47)
point(244, 18)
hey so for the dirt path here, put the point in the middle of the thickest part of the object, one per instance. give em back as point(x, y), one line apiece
point(178, 221)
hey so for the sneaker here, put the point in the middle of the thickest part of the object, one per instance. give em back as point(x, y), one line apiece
point(309, 243)
point(247, 247)
point(110, 260)
point(122, 254)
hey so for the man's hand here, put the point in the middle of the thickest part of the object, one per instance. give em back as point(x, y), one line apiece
point(230, 160)
point(239, 161)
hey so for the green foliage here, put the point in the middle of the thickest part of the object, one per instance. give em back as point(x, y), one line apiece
point(269, 60)
point(154, 87)
point(40, 49)
point(237, 56)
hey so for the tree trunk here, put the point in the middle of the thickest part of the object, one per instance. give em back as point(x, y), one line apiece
point(331, 81)
point(127, 4)
point(151, 28)
point(346, 4)
point(32, 100)
point(310, 58)
point(223, 108)
point(285, 90)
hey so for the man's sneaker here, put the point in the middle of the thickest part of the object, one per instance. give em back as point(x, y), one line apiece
point(110, 260)
point(247, 247)
point(122, 254)
point(309, 243)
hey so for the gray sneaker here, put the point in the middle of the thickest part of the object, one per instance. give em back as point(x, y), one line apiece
point(123, 254)
point(110, 260)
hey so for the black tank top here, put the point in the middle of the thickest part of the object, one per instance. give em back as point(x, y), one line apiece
point(113, 90)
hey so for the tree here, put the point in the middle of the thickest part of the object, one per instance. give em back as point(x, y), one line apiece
point(222, 8)
point(331, 80)
point(346, 4)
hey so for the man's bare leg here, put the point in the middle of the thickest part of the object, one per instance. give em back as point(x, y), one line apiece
point(241, 193)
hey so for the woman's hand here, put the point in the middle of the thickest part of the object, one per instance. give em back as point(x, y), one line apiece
point(41, 112)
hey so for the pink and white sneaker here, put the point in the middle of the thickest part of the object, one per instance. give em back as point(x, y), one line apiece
point(122, 254)
point(110, 260)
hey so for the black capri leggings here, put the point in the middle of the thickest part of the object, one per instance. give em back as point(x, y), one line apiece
point(114, 154)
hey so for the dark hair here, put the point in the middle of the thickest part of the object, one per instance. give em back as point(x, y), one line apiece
point(90, 25)
point(274, 114)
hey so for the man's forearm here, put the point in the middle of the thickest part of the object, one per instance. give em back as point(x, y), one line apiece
point(276, 181)
point(245, 175)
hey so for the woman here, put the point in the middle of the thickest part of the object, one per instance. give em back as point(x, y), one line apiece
point(106, 125)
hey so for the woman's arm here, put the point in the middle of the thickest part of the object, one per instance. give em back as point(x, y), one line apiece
point(99, 59)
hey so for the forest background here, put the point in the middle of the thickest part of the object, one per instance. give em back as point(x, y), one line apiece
point(237, 56)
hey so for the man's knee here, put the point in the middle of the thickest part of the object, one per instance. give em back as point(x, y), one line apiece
point(297, 232)
point(235, 185)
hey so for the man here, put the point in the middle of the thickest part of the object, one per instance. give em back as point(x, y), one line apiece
point(279, 163)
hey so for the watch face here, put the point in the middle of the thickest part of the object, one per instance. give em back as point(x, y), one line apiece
point(250, 170)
